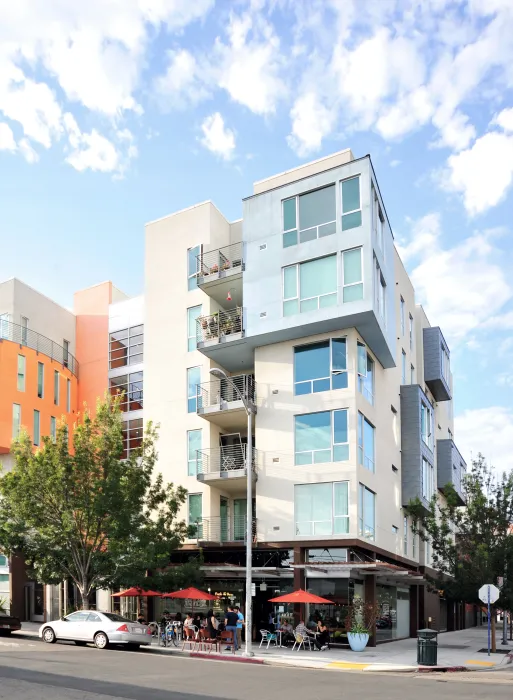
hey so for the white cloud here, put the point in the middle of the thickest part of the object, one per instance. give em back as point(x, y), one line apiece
point(503, 322)
point(216, 137)
point(311, 122)
point(26, 150)
point(505, 119)
point(183, 83)
point(489, 431)
point(92, 151)
point(395, 163)
point(505, 379)
point(7, 142)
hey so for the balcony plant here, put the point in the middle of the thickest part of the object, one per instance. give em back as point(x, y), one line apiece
point(226, 265)
point(361, 619)
point(214, 269)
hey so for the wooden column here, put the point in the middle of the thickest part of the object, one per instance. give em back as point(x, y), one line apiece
point(370, 599)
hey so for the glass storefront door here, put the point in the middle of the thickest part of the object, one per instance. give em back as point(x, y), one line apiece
point(224, 519)
point(239, 519)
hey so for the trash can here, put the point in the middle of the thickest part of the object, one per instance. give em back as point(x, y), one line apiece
point(427, 647)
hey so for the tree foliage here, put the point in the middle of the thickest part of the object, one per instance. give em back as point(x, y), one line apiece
point(88, 515)
point(471, 545)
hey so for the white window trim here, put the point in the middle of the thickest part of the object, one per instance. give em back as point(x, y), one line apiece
point(332, 371)
point(353, 284)
point(402, 312)
point(195, 274)
point(288, 230)
point(193, 459)
point(362, 388)
point(353, 211)
point(361, 448)
point(361, 515)
point(298, 289)
point(333, 516)
point(332, 434)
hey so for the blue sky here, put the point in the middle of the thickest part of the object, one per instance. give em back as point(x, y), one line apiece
point(118, 112)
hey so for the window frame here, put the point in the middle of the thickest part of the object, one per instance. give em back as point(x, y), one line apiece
point(68, 395)
point(362, 512)
point(403, 367)
point(428, 480)
point(380, 291)
point(40, 380)
point(56, 387)
point(333, 519)
point(411, 331)
point(353, 211)
point(298, 296)
point(195, 397)
point(333, 444)
point(16, 420)
point(332, 371)
point(428, 439)
point(194, 276)
point(194, 337)
point(363, 459)
point(128, 390)
point(298, 230)
point(353, 284)
point(402, 317)
point(65, 352)
point(36, 422)
point(21, 380)
point(129, 438)
point(198, 525)
point(53, 428)
point(289, 230)
point(363, 388)
point(193, 460)
point(127, 358)
point(405, 535)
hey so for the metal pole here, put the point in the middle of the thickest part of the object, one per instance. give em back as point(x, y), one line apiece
point(249, 532)
point(505, 628)
point(489, 623)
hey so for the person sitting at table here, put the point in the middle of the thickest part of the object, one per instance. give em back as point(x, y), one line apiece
point(322, 638)
point(189, 622)
point(141, 620)
point(166, 618)
point(212, 623)
point(287, 632)
point(303, 630)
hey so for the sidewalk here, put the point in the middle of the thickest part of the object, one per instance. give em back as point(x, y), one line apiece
point(456, 651)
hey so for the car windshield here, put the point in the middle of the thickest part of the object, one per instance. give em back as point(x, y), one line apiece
point(116, 618)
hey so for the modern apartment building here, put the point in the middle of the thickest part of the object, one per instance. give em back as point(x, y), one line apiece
point(306, 306)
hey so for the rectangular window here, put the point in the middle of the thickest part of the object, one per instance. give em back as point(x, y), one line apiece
point(65, 352)
point(413, 541)
point(380, 291)
point(365, 366)
point(53, 428)
point(193, 267)
point(315, 212)
point(412, 374)
point(351, 203)
point(131, 389)
point(426, 424)
point(192, 316)
point(428, 480)
point(68, 395)
point(395, 530)
point(24, 330)
point(40, 380)
point(322, 509)
point(411, 332)
point(428, 552)
point(405, 536)
point(193, 445)
point(21, 372)
point(352, 270)
point(403, 367)
point(16, 420)
point(126, 347)
point(5, 331)
point(320, 367)
point(446, 371)
point(366, 512)
point(193, 379)
point(133, 436)
point(56, 387)
point(321, 437)
point(310, 286)
point(196, 513)
point(402, 317)
point(366, 443)
point(378, 221)
point(37, 428)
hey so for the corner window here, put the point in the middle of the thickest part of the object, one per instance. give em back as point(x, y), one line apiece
point(193, 267)
point(426, 424)
point(196, 513)
point(321, 437)
point(192, 316)
point(56, 387)
point(366, 513)
point(402, 312)
point(365, 367)
point(411, 332)
point(380, 291)
point(321, 509)
point(428, 480)
point(320, 367)
point(352, 280)
point(193, 379)
point(21, 372)
point(53, 428)
point(310, 286)
point(193, 445)
point(126, 347)
point(366, 443)
point(131, 387)
point(378, 220)
point(312, 214)
point(133, 436)
point(351, 203)
point(40, 380)
point(16, 420)
point(37, 428)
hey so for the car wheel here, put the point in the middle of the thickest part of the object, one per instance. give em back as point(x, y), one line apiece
point(49, 635)
point(133, 647)
point(80, 644)
point(5, 633)
point(101, 640)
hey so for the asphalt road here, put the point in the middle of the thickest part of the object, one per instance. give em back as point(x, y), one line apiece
point(32, 670)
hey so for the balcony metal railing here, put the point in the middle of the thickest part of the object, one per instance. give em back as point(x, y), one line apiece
point(219, 325)
point(35, 341)
point(224, 529)
point(220, 391)
point(220, 260)
point(224, 459)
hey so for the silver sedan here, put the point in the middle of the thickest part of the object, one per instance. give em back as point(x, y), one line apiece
point(99, 628)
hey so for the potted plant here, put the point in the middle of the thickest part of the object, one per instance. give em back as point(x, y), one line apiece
point(214, 269)
point(226, 265)
point(360, 619)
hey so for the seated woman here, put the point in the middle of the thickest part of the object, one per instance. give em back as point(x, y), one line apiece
point(212, 624)
point(322, 638)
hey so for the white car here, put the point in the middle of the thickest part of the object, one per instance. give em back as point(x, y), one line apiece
point(99, 628)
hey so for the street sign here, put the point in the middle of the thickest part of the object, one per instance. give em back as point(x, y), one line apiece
point(493, 591)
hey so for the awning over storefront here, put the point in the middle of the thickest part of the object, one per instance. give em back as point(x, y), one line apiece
point(216, 571)
point(386, 573)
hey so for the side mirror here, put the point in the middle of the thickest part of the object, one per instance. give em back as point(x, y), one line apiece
point(63, 619)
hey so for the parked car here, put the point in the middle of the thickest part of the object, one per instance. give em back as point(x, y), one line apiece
point(9, 624)
point(99, 628)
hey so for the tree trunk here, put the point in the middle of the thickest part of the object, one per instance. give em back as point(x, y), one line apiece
point(494, 638)
point(85, 598)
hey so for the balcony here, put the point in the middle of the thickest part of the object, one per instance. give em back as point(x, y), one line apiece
point(219, 530)
point(40, 343)
point(220, 272)
point(225, 467)
point(436, 364)
point(451, 468)
point(219, 336)
point(219, 402)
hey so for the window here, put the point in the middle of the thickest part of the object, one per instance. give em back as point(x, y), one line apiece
point(428, 480)
point(68, 395)
point(56, 388)
point(40, 380)
point(130, 386)
point(37, 428)
point(3, 560)
point(352, 287)
point(126, 347)
point(53, 428)
point(193, 267)
point(16, 420)
point(446, 371)
point(405, 535)
point(320, 367)
point(411, 332)
point(365, 365)
point(193, 444)
point(380, 291)
point(192, 315)
point(412, 374)
point(428, 552)
point(321, 437)
point(65, 352)
point(322, 509)
point(315, 212)
point(365, 443)
point(310, 286)
point(193, 379)
point(402, 316)
point(426, 424)
point(351, 203)
point(403, 368)
point(21, 372)
point(413, 541)
point(378, 221)
point(133, 434)
point(4, 326)
point(395, 530)
point(367, 512)
point(196, 513)
point(24, 330)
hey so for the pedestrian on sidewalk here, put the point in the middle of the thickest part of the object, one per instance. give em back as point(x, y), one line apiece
point(230, 622)
point(240, 622)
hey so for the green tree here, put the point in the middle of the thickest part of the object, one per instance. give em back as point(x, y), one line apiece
point(87, 514)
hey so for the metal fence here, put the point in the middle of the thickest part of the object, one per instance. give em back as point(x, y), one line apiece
point(40, 343)
point(223, 529)
point(220, 391)
point(220, 260)
point(224, 459)
point(219, 325)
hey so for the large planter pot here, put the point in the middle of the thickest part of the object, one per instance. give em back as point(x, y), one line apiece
point(357, 642)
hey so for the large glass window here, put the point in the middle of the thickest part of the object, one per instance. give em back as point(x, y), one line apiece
point(446, 371)
point(312, 214)
point(320, 366)
point(56, 387)
point(365, 373)
point(411, 332)
point(193, 379)
point(310, 286)
point(428, 480)
point(352, 275)
point(426, 424)
point(40, 380)
point(192, 316)
point(21, 372)
point(366, 513)
point(68, 395)
point(322, 509)
point(366, 450)
point(53, 428)
point(193, 444)
point(380, 291)
point(16, 420)
point(403, 367)
point(131, 387)
point(321, 437)
point(133, 434)
point(126, 347)
point(196, 512)
point(402, 312)
point(351, 204)
point(37, 428)
point(193, 267)
point(405, 535)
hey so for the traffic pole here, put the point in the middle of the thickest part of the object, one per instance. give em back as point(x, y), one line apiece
point(489, 623)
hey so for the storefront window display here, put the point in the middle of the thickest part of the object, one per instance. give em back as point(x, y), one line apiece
point(394, 621)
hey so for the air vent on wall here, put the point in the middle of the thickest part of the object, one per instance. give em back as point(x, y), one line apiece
point(263, 314)
point(275, 391)
point(276, 528)
point(263, 246)
point(276, 459)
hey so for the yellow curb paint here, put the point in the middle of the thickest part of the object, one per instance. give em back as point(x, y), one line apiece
point(480, 663)
point(348, 665)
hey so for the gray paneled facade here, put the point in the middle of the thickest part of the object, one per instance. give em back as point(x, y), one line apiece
point(451, 468)
point(434, 347)
point(413, 447)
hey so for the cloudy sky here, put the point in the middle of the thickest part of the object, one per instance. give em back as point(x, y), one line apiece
point(117, 112)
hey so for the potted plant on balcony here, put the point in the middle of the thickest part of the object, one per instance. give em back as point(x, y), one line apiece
point(227, 326)
point(361, 618)
point(226, 265)
point(213, 326)
point(214, 269)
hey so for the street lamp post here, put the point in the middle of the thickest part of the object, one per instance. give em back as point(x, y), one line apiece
point(221, 374)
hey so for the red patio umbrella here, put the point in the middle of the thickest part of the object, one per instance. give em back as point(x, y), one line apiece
point(301, 596)
point(191, 594)
point(135, 592)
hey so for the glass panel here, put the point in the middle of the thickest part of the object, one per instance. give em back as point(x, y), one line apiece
point(312, 361)
point(368, 509)
point(289, 239)
point(303, 388)
point(303, 458)
point(351, 220)
point(192, 315)
point(193, 379)
point(318, 277)
point(195, 507)
point(352, 266)
point(353, 293)
point(290, 307)
point(317, 207)
point(339, 380)
point(16, 419)
point(290, 282)
point(40, 379)
point(338, 354)
point(309, 305)
point(340, 426)
point(350, 194)
point(313, 431)
point(192, 266)
point(193, 444)
point(328, 300)
point(362, 359)
point(320, 385)
point(341, 526)
point(340, 498)
point(310, 234)
point(340, 453)
point(36, 428)
point(368, 441)
point(289, 214)
point(321, 456)
point(327, 229)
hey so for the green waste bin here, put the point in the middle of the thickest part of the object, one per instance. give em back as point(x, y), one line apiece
point(427, 647)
